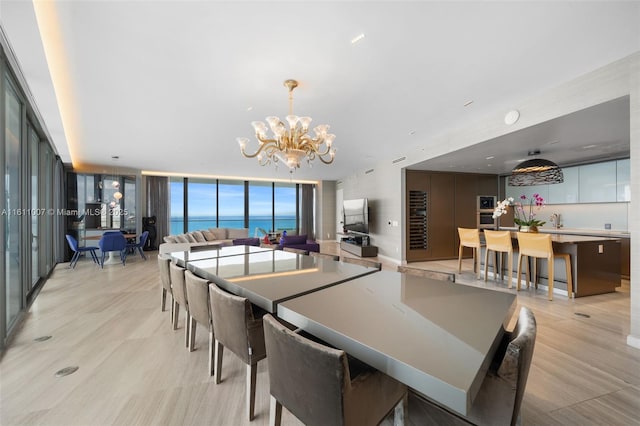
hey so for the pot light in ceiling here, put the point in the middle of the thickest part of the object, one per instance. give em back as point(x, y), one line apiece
point(357, 38)
point(536, 171)
point(467, 103)
point(511, 117)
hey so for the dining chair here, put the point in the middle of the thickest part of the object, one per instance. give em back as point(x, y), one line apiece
point(240, 330)
point(324, 255)
point(77, 251)
point(199, 311)
point(295, 250)
point(539, 246)
point(321, 386)
point(469, 237)
point(362, 262)
point(165, 283)
point(499, 398)
point(110, 242)
point(178, 286)
point(436, 275)
point(139, 245)
point(500, 243)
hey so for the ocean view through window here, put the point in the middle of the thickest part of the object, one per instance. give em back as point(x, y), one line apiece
point(221, 204)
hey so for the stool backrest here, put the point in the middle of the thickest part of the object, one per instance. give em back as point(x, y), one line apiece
point(469, 237)
point(534, 244)
point(498, 240)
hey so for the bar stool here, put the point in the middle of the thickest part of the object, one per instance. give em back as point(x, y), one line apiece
point(470, 237)
point(499, 242)
point(539, 246)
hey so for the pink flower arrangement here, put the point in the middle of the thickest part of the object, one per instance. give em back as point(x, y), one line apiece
point(523, 216)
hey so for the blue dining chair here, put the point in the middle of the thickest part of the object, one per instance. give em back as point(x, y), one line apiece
point(139, 245)
point(112, 241)
point(73, 244)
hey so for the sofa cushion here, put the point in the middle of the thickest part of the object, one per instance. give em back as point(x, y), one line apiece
point(246, 242)
point(220, 233)
point(209, 236)
point(170, 239)
point(289, 240)
point(190, 237)
point(234, 233)
point(181, 238)
point(198, 236)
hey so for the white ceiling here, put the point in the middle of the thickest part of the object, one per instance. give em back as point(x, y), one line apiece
point(167, 85)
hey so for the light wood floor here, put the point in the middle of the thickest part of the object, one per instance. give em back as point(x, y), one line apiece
point(134, 369)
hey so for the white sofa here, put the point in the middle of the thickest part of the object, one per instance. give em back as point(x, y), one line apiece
point(202, 238)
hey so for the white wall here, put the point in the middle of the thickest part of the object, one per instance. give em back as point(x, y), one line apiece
point(385, 185)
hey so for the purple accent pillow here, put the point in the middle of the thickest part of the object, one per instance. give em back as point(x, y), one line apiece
point(288, 240)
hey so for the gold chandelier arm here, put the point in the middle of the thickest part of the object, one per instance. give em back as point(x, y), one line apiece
point(264, 146)
point(326, 161)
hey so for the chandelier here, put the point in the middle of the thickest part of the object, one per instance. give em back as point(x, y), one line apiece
point(293, 144)
point(537, 171)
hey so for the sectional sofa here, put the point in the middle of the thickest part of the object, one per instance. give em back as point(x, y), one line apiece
point(206, 237)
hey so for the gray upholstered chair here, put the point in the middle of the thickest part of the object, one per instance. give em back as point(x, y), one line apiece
point(500, 396)
point(362, 262)
point(295, 250)
point(199, 311)
point(239, 330)
point(179, 298)
point(324, 255)
point(165, 283)
point(436, 275)
point(314, 383)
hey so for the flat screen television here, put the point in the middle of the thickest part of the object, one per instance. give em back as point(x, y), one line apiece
point(356, 215)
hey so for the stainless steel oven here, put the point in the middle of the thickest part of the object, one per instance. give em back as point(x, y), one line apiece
point(486, 202)
point(486, 220)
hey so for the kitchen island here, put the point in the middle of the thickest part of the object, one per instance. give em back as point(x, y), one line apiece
point(595, 263)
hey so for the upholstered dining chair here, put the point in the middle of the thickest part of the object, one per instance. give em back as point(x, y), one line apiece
point(178, 286)
point(112, 241)
point(436, 275)
point(324, 255)
point(469, 237)
point(240, 330)
point(500, 396)
point(77, 251)
point(500, 243)
point(165, 282)
point(139, 245)
point(199, 311)
point(319, 385)
point(362, 262)
point(539, 246)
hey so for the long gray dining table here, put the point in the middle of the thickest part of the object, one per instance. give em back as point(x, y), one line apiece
point(270, 277)
point(183, 257)
point(436, 337)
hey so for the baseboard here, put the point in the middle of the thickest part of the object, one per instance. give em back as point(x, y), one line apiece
point(389, 259)
point(633, 341)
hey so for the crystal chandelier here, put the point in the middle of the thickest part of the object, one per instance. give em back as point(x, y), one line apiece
point(290, 145)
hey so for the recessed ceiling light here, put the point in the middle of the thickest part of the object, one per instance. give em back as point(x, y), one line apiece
point(412, 132)
point(491, 157)
point(250, 108)
point(357, 38)
point(468, 103)
point(115, 157)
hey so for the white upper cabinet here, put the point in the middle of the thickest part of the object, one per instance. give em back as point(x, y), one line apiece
point(566, 192)
point(623, 178)
point(517, 191)
point(598, 183)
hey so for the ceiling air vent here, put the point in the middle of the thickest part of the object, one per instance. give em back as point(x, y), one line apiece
point(397, 160)
point(368, 171)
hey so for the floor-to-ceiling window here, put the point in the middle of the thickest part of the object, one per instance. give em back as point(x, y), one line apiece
point(210, 203)
point(12, 208)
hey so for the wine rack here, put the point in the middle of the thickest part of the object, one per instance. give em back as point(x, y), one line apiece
point(417, 220)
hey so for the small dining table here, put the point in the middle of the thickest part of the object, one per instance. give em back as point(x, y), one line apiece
point(270, 277)
point(112, 259)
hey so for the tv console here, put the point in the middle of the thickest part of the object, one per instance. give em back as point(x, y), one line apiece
point(354, 246)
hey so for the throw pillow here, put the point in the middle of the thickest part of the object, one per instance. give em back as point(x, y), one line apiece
point(233, 233)
point(198, 236)
point(220, 233)
point(190, 237)
point(208, 236)
point(170, 239)
point(181, 239)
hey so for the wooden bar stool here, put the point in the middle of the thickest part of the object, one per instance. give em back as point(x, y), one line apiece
point(470, 237)
point(539, 246)
point(499, 242)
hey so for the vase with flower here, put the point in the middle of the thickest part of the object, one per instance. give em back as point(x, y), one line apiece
point(525, 211)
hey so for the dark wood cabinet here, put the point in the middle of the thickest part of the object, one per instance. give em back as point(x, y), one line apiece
point(451, 202)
